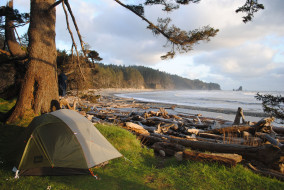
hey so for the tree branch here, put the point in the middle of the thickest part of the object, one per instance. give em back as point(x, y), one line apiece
point(180, 39)
point(55, 4)
point(73, 41)
point(76, 27)
point(250, 7)
point(151, 25)
point(18, 37)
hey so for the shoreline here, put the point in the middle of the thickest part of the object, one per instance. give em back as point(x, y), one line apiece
point(226, 114)
point(113, 91)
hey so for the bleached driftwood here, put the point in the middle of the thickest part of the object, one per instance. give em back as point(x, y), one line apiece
point(136, 128)
point(270, 139)
point(64, 102)
point(239, 116)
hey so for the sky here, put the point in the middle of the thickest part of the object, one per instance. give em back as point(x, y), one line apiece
point(250, 55)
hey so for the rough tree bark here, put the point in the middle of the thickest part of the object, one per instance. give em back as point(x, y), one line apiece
point(39, 88)
point(13, 45)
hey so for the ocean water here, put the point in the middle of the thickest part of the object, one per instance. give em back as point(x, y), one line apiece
point(214, 100)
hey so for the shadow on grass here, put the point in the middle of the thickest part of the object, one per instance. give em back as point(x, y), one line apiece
point(11, 145)
point(11, 148)
point(105, 182)
point(83, 182)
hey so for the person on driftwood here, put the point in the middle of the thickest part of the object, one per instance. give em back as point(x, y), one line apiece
point(62, 82)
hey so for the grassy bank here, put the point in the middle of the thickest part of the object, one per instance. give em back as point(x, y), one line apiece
point(142, 170)
point(5, 105)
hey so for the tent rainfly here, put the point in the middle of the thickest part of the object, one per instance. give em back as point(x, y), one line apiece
point(64, 143)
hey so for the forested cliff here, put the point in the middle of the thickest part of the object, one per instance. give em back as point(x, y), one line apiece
point(99, 75)
point(112, 76)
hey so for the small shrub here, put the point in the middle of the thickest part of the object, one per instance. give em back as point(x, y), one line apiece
point(91, 98)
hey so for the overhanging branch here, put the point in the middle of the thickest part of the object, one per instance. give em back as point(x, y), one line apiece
point(151, 25)
point(73, 41)
point(55, 4)
point(76, 27)
point(181, 40)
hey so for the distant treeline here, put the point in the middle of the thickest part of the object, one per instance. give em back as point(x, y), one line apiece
point(112, 76)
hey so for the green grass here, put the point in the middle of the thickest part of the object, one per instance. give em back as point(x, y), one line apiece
point(5, 105)
point(143, 171)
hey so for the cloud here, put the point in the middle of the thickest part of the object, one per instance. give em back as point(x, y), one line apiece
point(252, 64)
point(115, 33)
point(251, 54)
point(244, 61)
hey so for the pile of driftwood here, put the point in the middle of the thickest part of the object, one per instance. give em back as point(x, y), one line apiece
point(258, 145)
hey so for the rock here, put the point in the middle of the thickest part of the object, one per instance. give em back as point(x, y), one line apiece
point(179, 155)
point(162, 153)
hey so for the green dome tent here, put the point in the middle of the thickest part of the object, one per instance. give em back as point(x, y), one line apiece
point(64, 143)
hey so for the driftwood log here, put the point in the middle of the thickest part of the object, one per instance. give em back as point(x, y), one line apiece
point(266, 153)
point(170, 149)
point(64, 102)
point(264, 125)
point(248, 140)
point(266, 172)
point(239, 116)
point(167, 133)
point(136, 128)
point(226, 159)
point(230, 129)
point(279, 130)
point(271, 140)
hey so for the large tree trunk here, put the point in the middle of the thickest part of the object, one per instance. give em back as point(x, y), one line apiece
point(39, 88)
point(13, 45)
